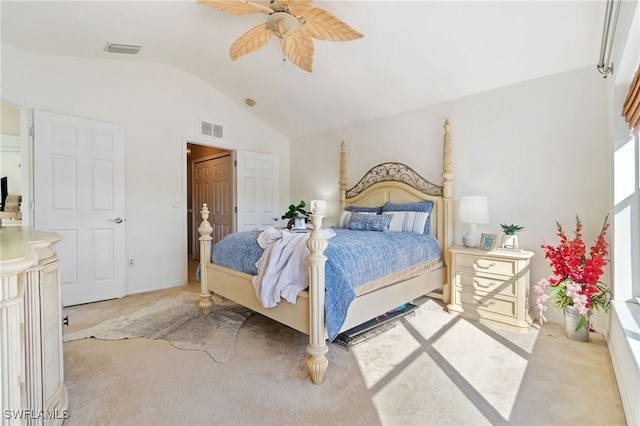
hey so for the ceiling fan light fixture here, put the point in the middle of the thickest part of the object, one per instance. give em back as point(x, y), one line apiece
point(295, 22)
point(283, 24)
point(129, 49)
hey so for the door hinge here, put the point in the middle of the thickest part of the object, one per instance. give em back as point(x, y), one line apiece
point(235, 209)
point(32, 206)
point(235, 163)
point(32, 131)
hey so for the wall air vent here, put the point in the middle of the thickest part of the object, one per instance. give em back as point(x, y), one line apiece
point(210, 129)
point(122, 48)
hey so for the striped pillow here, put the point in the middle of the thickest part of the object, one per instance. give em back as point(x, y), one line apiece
point(407, 221)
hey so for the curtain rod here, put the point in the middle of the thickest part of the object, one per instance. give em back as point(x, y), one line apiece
point(608, 33)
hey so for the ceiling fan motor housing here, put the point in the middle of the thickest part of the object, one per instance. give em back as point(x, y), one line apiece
point(283, 24)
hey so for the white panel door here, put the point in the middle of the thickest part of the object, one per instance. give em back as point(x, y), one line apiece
point(79, 193)
point(257, 192)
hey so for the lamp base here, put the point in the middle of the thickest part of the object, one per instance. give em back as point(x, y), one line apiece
point(472, 237)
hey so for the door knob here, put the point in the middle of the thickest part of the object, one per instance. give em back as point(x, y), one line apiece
point(117, 220)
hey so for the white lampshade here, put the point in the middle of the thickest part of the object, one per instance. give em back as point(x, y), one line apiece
point(473, 210)
point(320, 205)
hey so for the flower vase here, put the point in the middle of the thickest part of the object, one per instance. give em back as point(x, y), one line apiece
point(571, 319)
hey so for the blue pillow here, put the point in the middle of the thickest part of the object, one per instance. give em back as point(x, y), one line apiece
point(369, 222)
point(418, 206)
point(359, 209)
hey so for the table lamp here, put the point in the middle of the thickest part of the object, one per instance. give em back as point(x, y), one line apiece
point(473, 210)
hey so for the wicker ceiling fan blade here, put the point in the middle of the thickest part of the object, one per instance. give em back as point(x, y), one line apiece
point(297, 7)
point(323, 25)
point(299, 50)
point(295, 22)
point(250, 41)
point(236, 7)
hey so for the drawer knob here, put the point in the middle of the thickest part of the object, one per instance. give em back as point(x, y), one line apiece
point(487, 266)
point(479, 284)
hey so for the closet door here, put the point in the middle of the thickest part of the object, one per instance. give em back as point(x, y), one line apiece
point(258, 182)
point(213, 184)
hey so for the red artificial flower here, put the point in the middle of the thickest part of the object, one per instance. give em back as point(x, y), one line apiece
point(571, 263)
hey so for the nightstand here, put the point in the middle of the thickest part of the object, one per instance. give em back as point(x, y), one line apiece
point(491, 287)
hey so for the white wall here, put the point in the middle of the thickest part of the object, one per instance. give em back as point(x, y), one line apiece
point(539, 150)
point(159, 107)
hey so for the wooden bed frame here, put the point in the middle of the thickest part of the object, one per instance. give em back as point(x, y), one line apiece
point(393, 182)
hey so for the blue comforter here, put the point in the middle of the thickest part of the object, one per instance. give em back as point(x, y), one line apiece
point(354, 258)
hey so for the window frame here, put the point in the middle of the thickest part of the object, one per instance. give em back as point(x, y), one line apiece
point(627, 264)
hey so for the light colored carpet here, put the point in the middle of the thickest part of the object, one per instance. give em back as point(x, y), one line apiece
point(452, 371)
point(179, 321)
point(435, 369)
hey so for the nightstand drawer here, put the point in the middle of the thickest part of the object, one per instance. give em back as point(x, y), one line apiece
point(487, 303)
point(491, 265)
point(470, 282)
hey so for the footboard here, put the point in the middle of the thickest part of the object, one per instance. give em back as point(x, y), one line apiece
point(237, 286)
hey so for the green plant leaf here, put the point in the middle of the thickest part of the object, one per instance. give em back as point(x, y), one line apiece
point(557, 289)
point(293, 209)
point(511, 229)
point(581, 323)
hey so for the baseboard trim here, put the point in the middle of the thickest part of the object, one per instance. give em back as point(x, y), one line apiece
point(138, 290)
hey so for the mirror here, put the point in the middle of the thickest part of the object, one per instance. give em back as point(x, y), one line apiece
point(11, 172)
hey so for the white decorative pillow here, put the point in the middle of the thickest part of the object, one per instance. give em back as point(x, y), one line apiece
point(344, 219)
point(408, 221)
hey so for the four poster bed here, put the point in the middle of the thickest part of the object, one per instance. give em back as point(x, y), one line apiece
point(385, 185)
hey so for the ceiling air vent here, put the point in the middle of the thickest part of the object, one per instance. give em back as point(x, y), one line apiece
point(122, 48)
point(210, 129)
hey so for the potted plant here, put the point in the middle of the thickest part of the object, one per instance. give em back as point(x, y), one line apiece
point(575, 284)
point(510, 237)
point(297, 216)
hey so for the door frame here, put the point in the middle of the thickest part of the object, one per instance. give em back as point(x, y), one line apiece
point(204, 141)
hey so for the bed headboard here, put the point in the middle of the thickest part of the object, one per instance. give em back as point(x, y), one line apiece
point(399, 183)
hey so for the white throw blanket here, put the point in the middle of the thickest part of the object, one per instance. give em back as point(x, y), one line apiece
point(282, 269)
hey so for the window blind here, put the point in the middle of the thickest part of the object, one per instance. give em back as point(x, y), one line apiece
point(631, 108)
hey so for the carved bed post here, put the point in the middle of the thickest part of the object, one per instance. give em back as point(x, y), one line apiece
point(343, 176)
point(317, 362)
point(205, 230)
point(447, 195)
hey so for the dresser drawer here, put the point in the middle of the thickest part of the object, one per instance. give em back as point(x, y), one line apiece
point(493, 285)
point(487, 303)
point(491, 265)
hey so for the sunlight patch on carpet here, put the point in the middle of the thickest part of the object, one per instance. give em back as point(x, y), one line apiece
point(180, 321)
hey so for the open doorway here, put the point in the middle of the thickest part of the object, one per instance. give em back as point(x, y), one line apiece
point(242, 192)
point(209, 180)
point(15, 165)
point(209, 177)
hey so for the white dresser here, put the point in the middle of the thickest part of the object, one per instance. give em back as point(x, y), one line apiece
point(32, 390)
point(491, 287)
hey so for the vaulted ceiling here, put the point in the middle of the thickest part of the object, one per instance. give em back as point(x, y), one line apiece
point(413, 53)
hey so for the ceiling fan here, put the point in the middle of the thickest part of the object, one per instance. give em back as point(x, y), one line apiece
point(294, 22)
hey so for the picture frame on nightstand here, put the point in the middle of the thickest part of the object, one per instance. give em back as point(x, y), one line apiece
point(488, 241)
